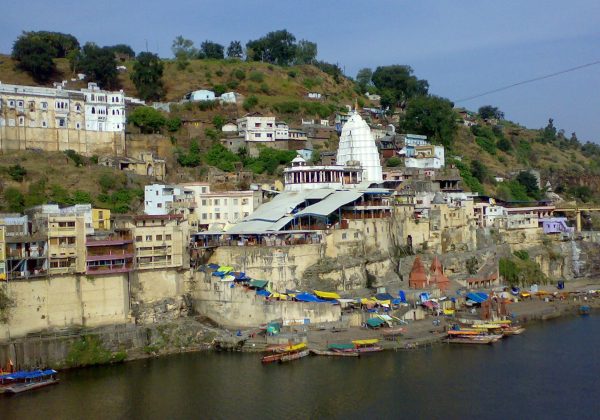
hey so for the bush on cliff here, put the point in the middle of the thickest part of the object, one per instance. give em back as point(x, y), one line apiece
point(90, 351)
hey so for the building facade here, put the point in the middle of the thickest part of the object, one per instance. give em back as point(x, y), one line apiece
point(90, 122)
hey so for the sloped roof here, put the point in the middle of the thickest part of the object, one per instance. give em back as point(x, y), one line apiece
point(330, 204)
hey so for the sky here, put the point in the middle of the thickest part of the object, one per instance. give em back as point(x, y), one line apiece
point(462, 48)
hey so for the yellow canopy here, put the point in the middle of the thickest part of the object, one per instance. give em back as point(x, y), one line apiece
point(327, 295)
point(365, 342)
point(365, 301)
point(295, 347)
point(277, 295)
point(448, 311)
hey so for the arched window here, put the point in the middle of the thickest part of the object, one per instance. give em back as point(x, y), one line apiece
point(93, 110)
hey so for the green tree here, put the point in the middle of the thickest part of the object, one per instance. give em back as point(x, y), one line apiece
point(15, 202)
point(147, 76)
point(479, 170)
point(235, 50)
point(212, 50)
point(62, 44)
point(277, 47)
point(183, 50)
point(122, 49)
point(34, 55)
point(221, 157)
point(530, 182)
point(306, 52)
point(488, 112)
point(250, 102)
point(99, 64)
point(17, 172)
point(548, 134)
point(218, 121)
point(148, 119)
point(191, 158)
point(400, 82)
point(432, 116)
point(363, 78)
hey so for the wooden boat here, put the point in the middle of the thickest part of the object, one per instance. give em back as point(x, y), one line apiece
point(286, 353)
point(367, 346)
point(472, 336)
point(341, 348)
point(17, 382)
point(334, 353)
point(288, 357)
point(513, 330)
point(392, 333)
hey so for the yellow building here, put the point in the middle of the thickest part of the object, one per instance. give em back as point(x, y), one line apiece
point(101, 219)
point(2, 253)
point(66, 239)
point(159, 241)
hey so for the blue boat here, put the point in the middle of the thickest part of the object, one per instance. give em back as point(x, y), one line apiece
point(584, 310)
point(21, 381)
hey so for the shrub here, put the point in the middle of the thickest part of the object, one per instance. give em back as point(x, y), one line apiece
point(292, 74)
point(288, 107)
point(256, 76)
point(233, 84)
point(191, 158)
point(219, 89)
point(487, 144)
point(393, 162)
point(173, 124)
point(15, 201)
point(239, 74)
point(219, 72)
point(522, 255)
point(264, 88)
point(207, 105)
point(148, 119)
point(90, 351)
point(107, 182)
point(221, 157)
point(17, 172)
point(218, 121)
point(77, 159)
point(211, 133)
point(250, 102)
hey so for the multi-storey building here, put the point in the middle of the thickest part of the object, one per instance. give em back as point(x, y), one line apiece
point(255, 127)
point(91, 121)
point(66, 244)
point(109, 254)
point(165, 199)
point(159, 240)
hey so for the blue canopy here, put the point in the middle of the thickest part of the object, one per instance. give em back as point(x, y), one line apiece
point(240, 276)
point(384, 296)
point(213, 266)
point(397, 301)
point(307, 297)
point(219, 274)
point(263, 292)
point(402, 296)
point(477, 297)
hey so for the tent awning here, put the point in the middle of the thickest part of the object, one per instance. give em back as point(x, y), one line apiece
point(258, 284)
point(326, 295)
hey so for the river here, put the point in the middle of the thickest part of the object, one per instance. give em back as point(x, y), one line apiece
point(551, 371)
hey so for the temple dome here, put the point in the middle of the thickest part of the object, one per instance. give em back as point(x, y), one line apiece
point(357, 144)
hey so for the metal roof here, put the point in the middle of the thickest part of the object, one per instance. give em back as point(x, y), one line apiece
point(330, 204)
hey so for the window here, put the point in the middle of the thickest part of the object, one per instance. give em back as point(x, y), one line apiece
point(224, 201)
point(167, 237)
point(159, 205)
point(236, 215)
point(20, 104)
point(203, 216)
point(355, 235)
point(159, 237)
point(269, 135)
point(78, 126)
point(148, 237)
point(44, 124)
point(256, 125)
point(245, 214)
point(216, 202)
point(235, 201)
point(244, 201)
point(344, 236)
point(217, 216)
point(203, 190)
point(21, 121)
point(93, 108)
point(204, 202)
point(11, 103)
point(61, 122)
point(11, 122)
point(257, 135)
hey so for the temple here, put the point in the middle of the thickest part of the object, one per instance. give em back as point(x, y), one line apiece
point(357, 145)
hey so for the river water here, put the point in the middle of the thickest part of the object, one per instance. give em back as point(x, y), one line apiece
point(551, 371)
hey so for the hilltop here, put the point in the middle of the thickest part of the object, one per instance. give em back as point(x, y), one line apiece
point(490, 151)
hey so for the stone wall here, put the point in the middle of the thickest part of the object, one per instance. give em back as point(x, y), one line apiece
point(156, 284)
point(87, 143)
point(238, 307)
point(65, 301)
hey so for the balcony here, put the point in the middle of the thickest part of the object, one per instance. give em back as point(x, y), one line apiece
point(109, 269)
point(110, 256)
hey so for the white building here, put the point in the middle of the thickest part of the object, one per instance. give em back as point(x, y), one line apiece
point(201, 95)
point(229, 128)
point(426, 157)
point(160, 200)
point(300, 176)
point(104, 111)
point(255, 127)
point(220, 207)
point(357, 145)
point(229, 98)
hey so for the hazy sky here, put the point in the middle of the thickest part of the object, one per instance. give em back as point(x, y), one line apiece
point(461, 47)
